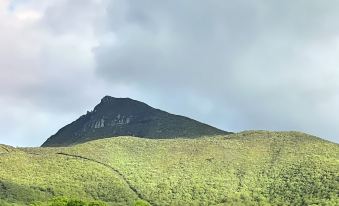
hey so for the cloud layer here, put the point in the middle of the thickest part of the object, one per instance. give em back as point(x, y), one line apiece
point(237, 65)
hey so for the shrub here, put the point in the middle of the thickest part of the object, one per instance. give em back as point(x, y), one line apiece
point(141, 203)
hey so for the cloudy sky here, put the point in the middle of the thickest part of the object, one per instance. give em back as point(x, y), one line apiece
point(237, 65)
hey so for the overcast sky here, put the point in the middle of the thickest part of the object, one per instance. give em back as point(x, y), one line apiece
point(237, 65)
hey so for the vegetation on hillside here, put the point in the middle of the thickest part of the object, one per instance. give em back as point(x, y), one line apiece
point(248, 168)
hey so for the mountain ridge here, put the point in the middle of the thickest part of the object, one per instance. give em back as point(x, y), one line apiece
point(128, 117)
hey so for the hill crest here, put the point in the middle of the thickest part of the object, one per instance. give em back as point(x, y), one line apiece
point(127, 117)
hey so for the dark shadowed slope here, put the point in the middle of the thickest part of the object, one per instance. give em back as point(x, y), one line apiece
point(124, 116)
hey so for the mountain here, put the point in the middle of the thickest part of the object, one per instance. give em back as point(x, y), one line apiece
point(128, 117)
point(247, 168)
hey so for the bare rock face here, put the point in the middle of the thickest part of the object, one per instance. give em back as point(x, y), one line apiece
point(126, 117)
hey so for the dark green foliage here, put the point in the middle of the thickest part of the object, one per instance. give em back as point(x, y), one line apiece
point(76, 203)
point(303, 184)
point(59, 201)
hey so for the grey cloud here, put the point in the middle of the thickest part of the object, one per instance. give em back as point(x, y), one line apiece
point(233, 64)
point(47, 77)
point(86, 16)
point(270, 64)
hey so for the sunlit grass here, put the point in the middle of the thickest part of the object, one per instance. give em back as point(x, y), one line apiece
point(248, 168)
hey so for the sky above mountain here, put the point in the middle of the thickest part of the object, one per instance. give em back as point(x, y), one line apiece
point(237, 65)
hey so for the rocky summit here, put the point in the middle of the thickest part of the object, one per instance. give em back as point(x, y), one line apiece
point(127, 117)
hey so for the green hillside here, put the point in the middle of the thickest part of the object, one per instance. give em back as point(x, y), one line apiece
point(248, 168)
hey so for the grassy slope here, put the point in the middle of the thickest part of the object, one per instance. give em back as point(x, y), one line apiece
point(251, 168)
point(27, 177)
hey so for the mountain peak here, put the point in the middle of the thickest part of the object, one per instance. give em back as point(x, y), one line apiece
point(107, 99)
point(110, 99)
point(127, 117)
